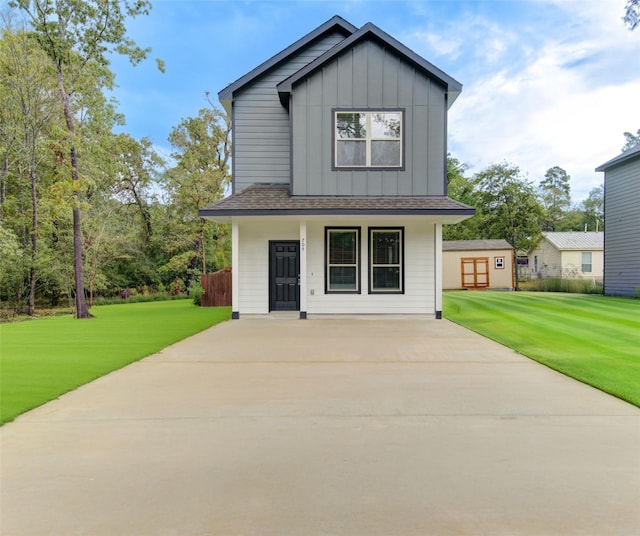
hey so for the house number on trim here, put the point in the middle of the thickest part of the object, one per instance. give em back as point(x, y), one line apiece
point(302, 244)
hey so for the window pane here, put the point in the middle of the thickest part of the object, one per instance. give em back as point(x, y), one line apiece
point(386, 278)
point(351, 125)
point(386, 125)
point(342, 247)
point(385, 153)
point(342, 278)
point(386, 247)
point(351, 153)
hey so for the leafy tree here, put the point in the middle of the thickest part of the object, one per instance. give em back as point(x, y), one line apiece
point(593, 209)
point(77, 36)
point(510, 207)
point(632, 14)
point(555, 193)
point(202, 151)
point(460, 188)
point(631, 140)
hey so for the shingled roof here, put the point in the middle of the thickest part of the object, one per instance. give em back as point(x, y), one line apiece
point(276, 200)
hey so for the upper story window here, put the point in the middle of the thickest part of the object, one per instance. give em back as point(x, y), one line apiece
point(368, 139)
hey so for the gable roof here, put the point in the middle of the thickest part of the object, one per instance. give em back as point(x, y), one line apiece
point(474, 245)
point(334, 24)
point(276, 200)
point(576, 240)
point(371, 31)
point(629, 154)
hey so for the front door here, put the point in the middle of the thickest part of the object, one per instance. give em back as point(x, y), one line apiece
point(284, 274)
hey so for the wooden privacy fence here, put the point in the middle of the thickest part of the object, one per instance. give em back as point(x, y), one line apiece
point(217, 288)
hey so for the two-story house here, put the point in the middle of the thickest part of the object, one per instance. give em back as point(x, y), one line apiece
point(339, 177)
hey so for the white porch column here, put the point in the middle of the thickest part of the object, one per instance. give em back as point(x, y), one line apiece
point(437, 271)
point(303, 269)
point(235, 270)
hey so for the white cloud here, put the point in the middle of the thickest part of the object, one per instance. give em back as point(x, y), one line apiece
point(564, 100)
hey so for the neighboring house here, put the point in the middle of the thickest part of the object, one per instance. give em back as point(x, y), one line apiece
point(477, 264)
point(622, 231)
point(571, 255)
point(339, 177)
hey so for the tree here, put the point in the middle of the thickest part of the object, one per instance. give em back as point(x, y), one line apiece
point(511, 209)
point(27, 88)
point(593, 209)
point(632, 14)
point(77, 36)
point(631, 140)
point(555, 194)
point(460, 188)
point(202, 152)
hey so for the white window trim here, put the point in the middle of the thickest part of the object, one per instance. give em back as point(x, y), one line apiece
point(367, 140)
point(399, 265)
point(329, 265)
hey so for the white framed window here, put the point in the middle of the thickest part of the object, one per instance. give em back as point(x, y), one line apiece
point(499, 263)
point(342, 253)
point(368, 139)
point(386, 260)
point(586, 262)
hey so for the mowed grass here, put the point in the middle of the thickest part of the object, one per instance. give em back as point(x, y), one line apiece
point(594, 339)
point(42, 359)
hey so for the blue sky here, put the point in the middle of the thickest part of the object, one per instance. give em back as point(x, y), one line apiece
point(545, 82)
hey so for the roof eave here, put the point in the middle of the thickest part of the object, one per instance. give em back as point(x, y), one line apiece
point(453, 87)
point(336, 23)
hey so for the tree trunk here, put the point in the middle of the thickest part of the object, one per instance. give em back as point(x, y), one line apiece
point(81, 304)
point(34, 243)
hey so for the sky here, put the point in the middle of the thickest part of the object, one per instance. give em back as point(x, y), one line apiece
point(545, 82)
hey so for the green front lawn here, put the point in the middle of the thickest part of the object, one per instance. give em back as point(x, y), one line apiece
point(42, 359)
point(594, 339)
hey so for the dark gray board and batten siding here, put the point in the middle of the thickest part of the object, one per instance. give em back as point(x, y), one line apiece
point(368, 75)
point(261, 128)
point(622, 228)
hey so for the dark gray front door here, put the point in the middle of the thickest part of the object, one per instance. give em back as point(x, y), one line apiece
point(284, 270)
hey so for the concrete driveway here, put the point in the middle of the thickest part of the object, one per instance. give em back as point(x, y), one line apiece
point(341, 426)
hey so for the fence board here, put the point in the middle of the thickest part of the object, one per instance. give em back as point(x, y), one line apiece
point(217, 288)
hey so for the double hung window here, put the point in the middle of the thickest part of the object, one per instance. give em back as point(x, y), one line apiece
point(343, 259)
point(586, 262)
point(368, 139)
point(386, 256)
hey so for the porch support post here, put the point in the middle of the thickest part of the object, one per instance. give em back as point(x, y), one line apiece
point(235, 270)
point(303, 270)
point(437, 269)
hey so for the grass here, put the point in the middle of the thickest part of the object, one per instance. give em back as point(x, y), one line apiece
point(594, 339)
point(42, 359)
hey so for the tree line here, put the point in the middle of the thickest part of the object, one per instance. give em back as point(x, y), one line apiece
point(82, 206)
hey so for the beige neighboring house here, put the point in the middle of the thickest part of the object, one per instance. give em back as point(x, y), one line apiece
point(477, 264)
point(570, 255)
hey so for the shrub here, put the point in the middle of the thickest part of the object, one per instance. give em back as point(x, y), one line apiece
point(195, 292)
point(558, 284)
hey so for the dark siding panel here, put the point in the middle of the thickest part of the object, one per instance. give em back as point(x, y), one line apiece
point(369, 76)
point(622, 230)
point(261, 124)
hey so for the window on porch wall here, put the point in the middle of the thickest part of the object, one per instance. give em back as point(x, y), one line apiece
point(386, 260)
point(342, 260)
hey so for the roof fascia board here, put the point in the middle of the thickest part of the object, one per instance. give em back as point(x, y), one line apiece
point(452, 85)
point(336, 212)
point(629, 154)
point(335, 23)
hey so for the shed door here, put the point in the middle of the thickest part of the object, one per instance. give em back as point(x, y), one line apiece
point(475, 272)
point(284, 272)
